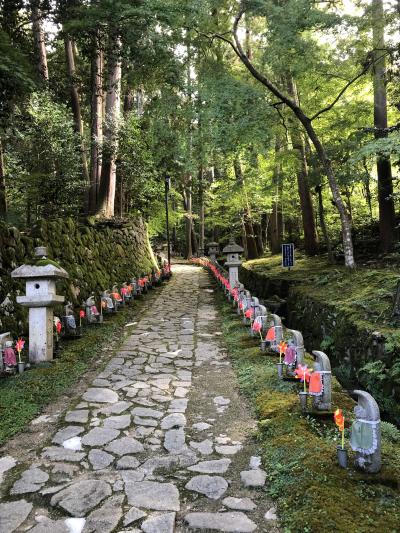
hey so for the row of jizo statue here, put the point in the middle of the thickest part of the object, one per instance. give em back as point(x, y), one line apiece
point(288, 347)
point(45, 329)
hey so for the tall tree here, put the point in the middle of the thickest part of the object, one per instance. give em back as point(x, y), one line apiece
point(384, 169)
point(96, 120)
point(106, 200)
point(75, 104)
point(40, 42)
point(307, 210)
point(275, 226)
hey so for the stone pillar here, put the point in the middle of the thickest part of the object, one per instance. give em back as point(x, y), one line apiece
point(40, 298)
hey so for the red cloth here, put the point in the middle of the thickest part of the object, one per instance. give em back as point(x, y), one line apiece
point(9, 357)
point(270, 334)
point(315, 386)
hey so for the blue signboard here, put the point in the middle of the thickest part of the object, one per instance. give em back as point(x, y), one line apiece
point(288, 255)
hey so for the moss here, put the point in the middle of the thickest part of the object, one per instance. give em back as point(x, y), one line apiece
point(346, 314)
point(299, 453)
point(92, 253)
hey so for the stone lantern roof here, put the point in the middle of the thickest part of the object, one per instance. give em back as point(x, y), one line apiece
point(232, 248)
point(43, 269)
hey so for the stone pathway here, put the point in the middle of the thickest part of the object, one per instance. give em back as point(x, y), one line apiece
point(160, 442)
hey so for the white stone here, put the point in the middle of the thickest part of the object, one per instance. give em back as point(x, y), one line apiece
point(125, 446)
point(12, 514)
point(133, 515)
point(153, 495)
point(75, 525)
point(239, 504)
point(100, 459)
point(67, 433)
point(162, 523)
point(80, 416)
point(173, 420)
point(100, 395)
point(228, 450)
point(219, 466)
point(211, 486)
point(174, 441)
point(145, 412)
point(201, 426)
point(99, 436)
point(117, 422)
point(81, 497)
point(253, 478)
point(205, 447)
point(226, 522)
point(116, 409)
point(271, 514)
point(6, 463)
point(75, 443)
point(255, 462)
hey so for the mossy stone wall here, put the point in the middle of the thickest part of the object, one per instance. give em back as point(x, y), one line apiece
point(350, 345)
point(96, 255)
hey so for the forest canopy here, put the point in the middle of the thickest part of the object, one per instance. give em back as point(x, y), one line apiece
point(276, 121)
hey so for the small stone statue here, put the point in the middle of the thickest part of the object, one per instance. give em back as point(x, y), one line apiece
point(107, 303)
point(320, 386)
point(365, 437)
point(68, 319)
point(92, 313)
point(117, 298)
point(294, 354)
point(136, 289)
point(9, 358)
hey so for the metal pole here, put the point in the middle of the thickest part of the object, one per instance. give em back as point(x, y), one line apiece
point(167, 185)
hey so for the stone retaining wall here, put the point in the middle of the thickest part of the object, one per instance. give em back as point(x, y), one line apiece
point(95, 255)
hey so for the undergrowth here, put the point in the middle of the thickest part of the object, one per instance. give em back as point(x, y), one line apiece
point(313, 494)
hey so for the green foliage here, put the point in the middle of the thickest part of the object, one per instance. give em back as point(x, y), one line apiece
point(44, 163)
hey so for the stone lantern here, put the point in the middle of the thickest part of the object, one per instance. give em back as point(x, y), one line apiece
point(233, 261)
point(40, 298)
point(213, 250)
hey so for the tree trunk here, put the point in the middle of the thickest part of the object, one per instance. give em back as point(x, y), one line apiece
point(3, 200)
point(40, 43)
point(76, 111)
point(201, 212)
point(384, 170)
point(324, 229)
point(276, 220)
point(96, 129)
point(259, 240)
point(307, 210)
point(251, 245)
point(264, 228)
point(338, 200)
point(105, 206)
point(187, 202)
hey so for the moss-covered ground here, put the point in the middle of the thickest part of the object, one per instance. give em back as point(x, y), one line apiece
point(299, 452)
point(22, 397)
point(365, 295)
